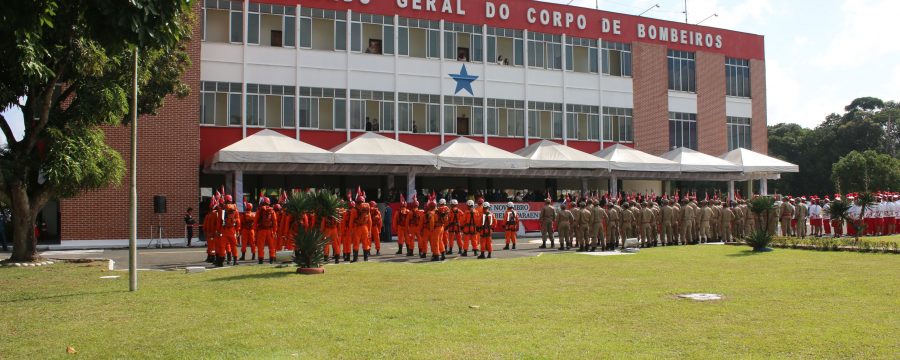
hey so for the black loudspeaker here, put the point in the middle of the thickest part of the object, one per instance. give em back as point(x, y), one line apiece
point(159, 204)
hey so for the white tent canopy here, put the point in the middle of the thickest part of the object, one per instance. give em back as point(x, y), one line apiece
point(547, 154)
point(270, 147)
point(695, 161)
point(754, 162)
point(624, 158)
point(371, 148)
point(470, 154)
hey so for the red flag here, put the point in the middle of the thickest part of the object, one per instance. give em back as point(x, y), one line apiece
point(402, 199)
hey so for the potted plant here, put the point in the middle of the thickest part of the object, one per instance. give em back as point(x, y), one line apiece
point(839, 213)
point(760, 238)
point(310, 241)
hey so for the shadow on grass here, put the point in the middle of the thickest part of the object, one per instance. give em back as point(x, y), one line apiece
point(60, 296)
point(745, 253)
point(280, 273)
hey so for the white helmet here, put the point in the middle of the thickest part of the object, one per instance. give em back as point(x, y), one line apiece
point(470, 203)
point(486, 204)
point(454, 202)
point(442, 202)
point(510, 204)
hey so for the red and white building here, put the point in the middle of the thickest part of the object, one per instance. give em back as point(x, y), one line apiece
point(424, 72)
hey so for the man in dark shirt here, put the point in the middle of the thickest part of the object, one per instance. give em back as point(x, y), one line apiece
point(368, 124)
point(189, 225)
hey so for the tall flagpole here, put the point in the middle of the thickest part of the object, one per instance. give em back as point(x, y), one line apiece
point(132, 240)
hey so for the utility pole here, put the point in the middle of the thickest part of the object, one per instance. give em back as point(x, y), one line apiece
point(132, 239)
point(685, 12)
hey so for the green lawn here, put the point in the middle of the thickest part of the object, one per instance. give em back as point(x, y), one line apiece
point(782, 304)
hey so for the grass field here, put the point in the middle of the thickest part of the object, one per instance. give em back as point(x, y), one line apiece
point(782, 304)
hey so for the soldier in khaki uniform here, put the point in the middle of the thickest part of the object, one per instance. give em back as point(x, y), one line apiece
point(648, 222)
point(587, 222)
point(787, 214)
point(657, 222)
point(749, 219)
point(598, 218)
point(687, 223)
point(727, 222)
point(738, 228)
point(636, 210)
point(802, 212)
point(705, 216)
point(613, 226)
point(676, 221)
point(577, 225)
point(627, 222)
point(668, 222)
point(548, 214)
point(564, 220)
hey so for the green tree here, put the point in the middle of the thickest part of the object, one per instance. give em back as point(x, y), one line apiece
point(67, 65)
point(866, 171)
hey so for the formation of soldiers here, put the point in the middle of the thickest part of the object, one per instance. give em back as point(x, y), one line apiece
point(604, 224)
point(811, 216)
point(439, 226)
point(588, 224)
point(270, 226)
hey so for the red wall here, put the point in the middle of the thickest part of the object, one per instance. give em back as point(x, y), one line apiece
point(508, 144)
point(421, 141)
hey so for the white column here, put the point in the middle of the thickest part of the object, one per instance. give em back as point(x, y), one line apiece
point(239, 190)
point(763, 187)
point(349, 47)
point(410, 184)
point(525, 63)
point(749, 194)
point(484, 52)
point(397, 77)
point(244, 39)
point(443, 78)
point(584, 186)
point(614, 186)
point(565, 110)
point(297, 72)
point(600, 80)
point(731, 190)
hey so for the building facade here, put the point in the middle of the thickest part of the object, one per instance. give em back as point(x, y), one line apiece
point(425, 72)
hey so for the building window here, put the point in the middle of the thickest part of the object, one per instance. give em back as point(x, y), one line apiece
point(739, 133)
point(419, 38)
point(220, 103)
point(505, 46)
point(463, 42)
point(323, 29)
point(271, 25)
point(582, 122)
point(420, 113)
point(581, 55)
point(505, 118)
point(463, 115)
point(320, 108)
point(682, 130)
point(682, 71)
point(618, 124)
point(271, 106)
point(616, 59)
point(370, 34)
point(737, 77)
point(545, 120)
point(222, 21)
point(371, 110)
point(544, 51)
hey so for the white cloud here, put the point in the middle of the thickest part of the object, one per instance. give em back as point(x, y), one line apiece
point(791, 100)
point(864, 34)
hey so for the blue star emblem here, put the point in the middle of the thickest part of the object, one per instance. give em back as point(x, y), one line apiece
point(464, 81)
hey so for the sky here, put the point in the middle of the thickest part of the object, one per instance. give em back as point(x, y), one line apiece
point(820, 55)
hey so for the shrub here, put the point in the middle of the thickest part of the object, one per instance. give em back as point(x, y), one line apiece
point(759, 240)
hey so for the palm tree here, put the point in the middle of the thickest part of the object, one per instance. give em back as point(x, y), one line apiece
point(762, 206)
point(310, 241)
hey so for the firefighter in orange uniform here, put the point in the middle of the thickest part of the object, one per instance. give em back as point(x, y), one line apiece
point(443, 216)
point(211, 225)
point(360, 225)
point(266, 226)
point(399, 223)
point(511, 225)
point(433, 230)
point(284, 223)
point(470, 229)
point(248, 237)
point(346, 231)
point(414, 228)
point(452, 229)
point(331, 230)
point(231, 225)
point(485, 224)
point(377, 223)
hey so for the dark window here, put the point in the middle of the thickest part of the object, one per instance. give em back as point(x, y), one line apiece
point(682, 68)
point(682, 130)
point(737, 77)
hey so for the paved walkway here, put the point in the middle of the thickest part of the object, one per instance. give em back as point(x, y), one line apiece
point(180, 257)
